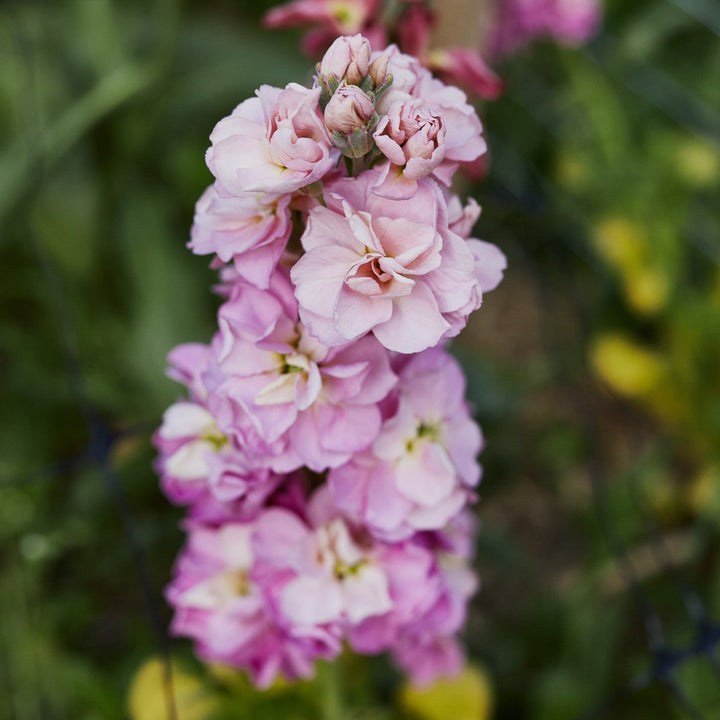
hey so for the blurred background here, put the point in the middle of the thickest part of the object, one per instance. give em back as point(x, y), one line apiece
point(594, 369)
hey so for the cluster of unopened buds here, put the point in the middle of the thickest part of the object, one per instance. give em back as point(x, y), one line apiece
point(326, 453)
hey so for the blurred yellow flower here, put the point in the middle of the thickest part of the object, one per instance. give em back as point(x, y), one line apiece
point(646, 290)
point(698, 162)
point(466, 696)
point(621, 242)
point(625, 366)
point(147, 697)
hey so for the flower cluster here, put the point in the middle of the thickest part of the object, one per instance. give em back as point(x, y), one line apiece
point(325, 452)
point(519, 22)
point(408, 22)
point(508, 25)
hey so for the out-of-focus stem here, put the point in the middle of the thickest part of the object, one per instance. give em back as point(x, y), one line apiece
point(331, 702)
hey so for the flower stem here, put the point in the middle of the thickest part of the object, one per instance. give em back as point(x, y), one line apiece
point(331, 705)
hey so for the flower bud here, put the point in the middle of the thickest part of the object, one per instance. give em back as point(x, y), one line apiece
point(348, 108)
point(347, 58)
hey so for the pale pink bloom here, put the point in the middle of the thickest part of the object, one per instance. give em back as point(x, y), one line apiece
point(349, 108)
point(333, 580)
point(407, 74)
point(420, 468)
point(412, 138)
point(187, 363)
point(275, 143)
point(430, 586)
point(320, 403)
point(464, 142)
point(490, 262)
point(220, 605)
point(348, 58)
point(328, 574)
point(367, 268)
point(202, 456)
point(248, 229)
point(427, 647)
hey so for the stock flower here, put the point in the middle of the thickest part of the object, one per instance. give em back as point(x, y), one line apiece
point(320, 402)
point(412, 137)
point(248, 229)
point(330, 361)
point(463, 130)
point(275, 143)
point(369, 269)
point(218, 603)
point(329, 577)
point(417, 474)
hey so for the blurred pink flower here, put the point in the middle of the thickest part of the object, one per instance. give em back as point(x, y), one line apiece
point(519, 22)
point(218, 603)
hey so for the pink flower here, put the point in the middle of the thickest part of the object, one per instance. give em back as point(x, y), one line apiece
point(463, 129)
point(380, 272)
point(427, 647)
point(248, 228)
point(275, 143)
point(519, 22)
point(320, 403)
point(412, 138)
point(200, 457)
point(331, 578)
point(230, 616)
point(466, 67)
point(420, 467)
point(342, 17)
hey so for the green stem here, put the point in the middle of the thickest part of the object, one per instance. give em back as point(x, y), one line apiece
point(331, 704)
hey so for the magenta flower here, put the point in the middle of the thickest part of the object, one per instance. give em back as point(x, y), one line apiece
point(468, 68)
point(519, 22)
point(342, 17)
point(275, 143)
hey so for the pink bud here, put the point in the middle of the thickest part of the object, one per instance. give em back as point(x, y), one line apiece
point(349, 108)
point(378, 69)
point(348, 58)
